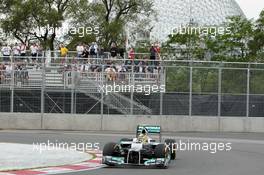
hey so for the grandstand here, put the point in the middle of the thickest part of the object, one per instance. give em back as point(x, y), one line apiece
point(51, 76)
point(203, 88)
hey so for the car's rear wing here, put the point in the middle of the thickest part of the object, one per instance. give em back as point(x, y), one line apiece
point(152, 129)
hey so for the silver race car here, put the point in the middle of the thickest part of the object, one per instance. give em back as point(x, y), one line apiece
point(142, 150)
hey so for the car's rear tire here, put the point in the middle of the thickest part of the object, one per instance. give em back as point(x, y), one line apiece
point(171, 144)
point(161, 151)
point(126, 140)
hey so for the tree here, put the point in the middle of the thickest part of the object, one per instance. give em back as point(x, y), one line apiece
point(257, 44)
point(34, 19)
point(233, 44)
point(188, 43)
point(112, 17)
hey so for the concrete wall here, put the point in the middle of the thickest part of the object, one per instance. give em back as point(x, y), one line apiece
point(124, 123)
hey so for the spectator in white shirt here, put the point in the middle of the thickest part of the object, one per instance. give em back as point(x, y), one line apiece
point(6, 51)
point(34, 52)
point(80, 49)
point(8, 70)
point(16, 51)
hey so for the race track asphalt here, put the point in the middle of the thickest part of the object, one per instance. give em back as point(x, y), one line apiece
point(245, 158)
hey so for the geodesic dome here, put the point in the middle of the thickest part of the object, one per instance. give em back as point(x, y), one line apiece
point(174, 13)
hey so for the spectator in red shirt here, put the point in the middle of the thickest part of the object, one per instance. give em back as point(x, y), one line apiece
point(157, 48)
point(131, 54)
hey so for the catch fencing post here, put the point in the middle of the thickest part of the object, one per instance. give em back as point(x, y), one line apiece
point(248, 89)
point(42, 98)
point(132, 92)
point(12, 85)
point(190, 93)
point(219, 90)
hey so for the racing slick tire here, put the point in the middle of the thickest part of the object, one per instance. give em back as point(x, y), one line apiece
point(171, 144)
point(126, 140)
point(109, 150)
point(161, 151)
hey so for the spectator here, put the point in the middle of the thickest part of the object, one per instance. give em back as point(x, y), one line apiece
point(153, 53)
point(16, 51)
point(111, 73)
point(113, 51)
point(157, 47)
point(63, 52)
point(8, 69)
point(86, 67)
point(80, 49)
point(21, 73)
point(142, 67)
point(122, 52)
point(34, 52)
point(101, 52)
point(6, 51)
point(2, 73)
point(40, 52)
point(158, 57)
point(131, 54)
point(122, 72)
point(93, 50)
point(85, 53)
point(23, 50)
point(153, 56)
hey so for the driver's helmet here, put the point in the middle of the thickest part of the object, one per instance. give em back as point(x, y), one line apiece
point(143, 136)
point(144, 131)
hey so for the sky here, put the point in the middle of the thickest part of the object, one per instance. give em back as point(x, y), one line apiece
point(251, 8)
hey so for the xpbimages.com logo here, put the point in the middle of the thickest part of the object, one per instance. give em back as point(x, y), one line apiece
point(146, 89)
point(211, 147)
point(201, 30)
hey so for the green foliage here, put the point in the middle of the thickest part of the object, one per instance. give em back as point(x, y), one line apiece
point(111, 16)
point(257, 44)
point(243, 42)
point(177, 79)
point(190, 41)
point(231, 45)
point(24, 19)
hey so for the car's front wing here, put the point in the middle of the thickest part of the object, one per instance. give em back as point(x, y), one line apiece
point(110, 160)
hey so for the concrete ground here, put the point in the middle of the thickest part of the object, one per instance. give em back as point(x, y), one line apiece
point(245, 157)
point(15, 156)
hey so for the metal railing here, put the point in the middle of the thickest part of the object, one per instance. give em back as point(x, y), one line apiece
point(206, 88)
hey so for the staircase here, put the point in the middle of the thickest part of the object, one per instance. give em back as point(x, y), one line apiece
point(88, 84)
point(115, 101)
point(53, 79)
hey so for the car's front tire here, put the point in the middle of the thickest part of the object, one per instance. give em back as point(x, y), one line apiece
point(162, 151)
point(109, 150)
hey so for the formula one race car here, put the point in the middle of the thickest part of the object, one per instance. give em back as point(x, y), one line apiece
point(141, 150)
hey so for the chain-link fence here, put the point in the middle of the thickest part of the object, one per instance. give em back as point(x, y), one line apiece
point(195, 88)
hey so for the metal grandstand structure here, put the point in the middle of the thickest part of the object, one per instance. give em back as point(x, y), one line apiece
point(55, 77)
point(204, 88)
